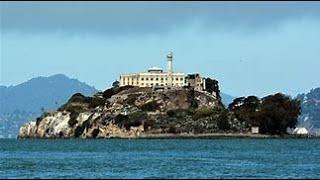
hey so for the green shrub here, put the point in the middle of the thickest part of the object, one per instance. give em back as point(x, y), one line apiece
point(172, 129)
point(95, 102)
point(171, 113)
point(79, 129)
point(150, 106)
point(120, 119)
point(108, 93)
point(191, 99)
point(78, 97)
point(203, 112)
point(114, 90)
point(38, 120)
point(178, 113)
point(133, 119)
point(75, 108)
point(223, 123)
point(73, 119)
point(131, 99)
point(95, 132)
point(149, 123)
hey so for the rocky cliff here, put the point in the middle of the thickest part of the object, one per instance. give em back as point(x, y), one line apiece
point(25, 101)
point(310, 110)
point(130, 112)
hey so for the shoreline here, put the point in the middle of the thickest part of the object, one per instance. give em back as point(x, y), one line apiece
point(203, 136)
point(191, 136)
point(222, 136)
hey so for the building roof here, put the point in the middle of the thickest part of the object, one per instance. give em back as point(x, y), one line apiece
point(300, 130)
point(154, 68)
point(154, 74)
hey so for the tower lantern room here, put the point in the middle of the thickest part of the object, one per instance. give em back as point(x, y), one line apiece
point(169, 59)
point(170, 70)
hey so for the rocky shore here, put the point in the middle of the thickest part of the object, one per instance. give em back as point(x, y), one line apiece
point(143, 112)
point(131, 112)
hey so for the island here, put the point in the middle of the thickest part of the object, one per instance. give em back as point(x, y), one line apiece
point(158, 104)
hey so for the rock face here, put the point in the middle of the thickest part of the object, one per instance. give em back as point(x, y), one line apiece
point(129, 112)
point(310, 110)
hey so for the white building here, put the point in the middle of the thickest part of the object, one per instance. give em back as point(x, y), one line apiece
point(255, 130)
point(300, 131)
point(155, 77)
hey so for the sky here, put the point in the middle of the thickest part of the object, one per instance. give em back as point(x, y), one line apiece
point(251, 48)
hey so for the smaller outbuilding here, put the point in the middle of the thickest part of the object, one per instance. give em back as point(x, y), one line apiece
point(300, 131)
point(255, 130)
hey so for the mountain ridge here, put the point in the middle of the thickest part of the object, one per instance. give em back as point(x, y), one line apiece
point(27, 100)
point(41, 92)
point(310, 109)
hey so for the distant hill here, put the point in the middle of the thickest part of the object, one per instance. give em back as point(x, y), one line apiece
point(226, 99)
point(20, 103)
point(41, 92)
point(310, 109)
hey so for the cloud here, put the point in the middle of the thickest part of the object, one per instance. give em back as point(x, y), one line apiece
point(125, 18)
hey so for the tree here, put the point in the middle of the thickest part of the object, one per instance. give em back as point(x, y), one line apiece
point(273, 114)
point(223, 123)
point(246, 109)
point(115, 84)
point(278, 112)
point(237, 102)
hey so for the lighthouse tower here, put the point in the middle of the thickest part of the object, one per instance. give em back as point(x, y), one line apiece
point(170, 69)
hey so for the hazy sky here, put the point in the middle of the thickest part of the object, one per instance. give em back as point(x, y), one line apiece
point(251, 48)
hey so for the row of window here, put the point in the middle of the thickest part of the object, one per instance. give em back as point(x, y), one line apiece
point(129, 83)
point(151, 79)
point(157, 79)
point(157, 84)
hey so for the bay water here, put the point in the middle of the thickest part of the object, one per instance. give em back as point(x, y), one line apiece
point(160, 158)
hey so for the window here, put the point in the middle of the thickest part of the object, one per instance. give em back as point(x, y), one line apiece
point(157, 84)
point(142, 84)
point(177, 79)
point(141, 79)
point(161, 79)
point(147, 79)
point(151, 84)
point(147, 84)
point(181, 79)
point(151, 79)
point(157, 79)
point(166, 79)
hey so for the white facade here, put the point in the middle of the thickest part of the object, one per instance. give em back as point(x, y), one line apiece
point(155, 77)
point(150, 79)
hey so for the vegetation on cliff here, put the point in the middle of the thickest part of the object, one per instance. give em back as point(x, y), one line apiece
point(273, 114)
point(129, 111)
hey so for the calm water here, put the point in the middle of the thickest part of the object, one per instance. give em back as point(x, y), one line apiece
point(176, 158)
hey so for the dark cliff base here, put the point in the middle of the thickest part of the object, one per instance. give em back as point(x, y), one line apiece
point(196, 136)
point(134, 112)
